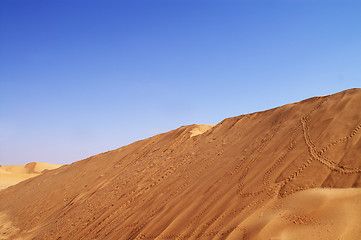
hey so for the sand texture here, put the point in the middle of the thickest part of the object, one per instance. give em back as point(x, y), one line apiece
point(13, 174)
point(293, 172)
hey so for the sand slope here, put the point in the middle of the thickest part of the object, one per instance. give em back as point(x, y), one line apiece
point(292, 172)
point(13, 174)
point(309, 214)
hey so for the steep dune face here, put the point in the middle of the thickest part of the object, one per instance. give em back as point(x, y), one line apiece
point(244, 178)
point(13, 174)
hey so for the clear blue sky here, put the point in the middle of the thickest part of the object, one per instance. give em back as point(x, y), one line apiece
point(80, 77)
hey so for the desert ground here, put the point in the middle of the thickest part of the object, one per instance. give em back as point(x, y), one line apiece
point(13, 174)
point(292, 172)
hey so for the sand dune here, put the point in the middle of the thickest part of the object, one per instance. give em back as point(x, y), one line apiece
point(13, 174)
point(309, 214)
point(199, 129)
point(293, 172)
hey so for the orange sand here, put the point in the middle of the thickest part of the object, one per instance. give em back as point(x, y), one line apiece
point(293, 172)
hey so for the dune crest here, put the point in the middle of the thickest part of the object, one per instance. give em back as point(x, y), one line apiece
point(292, 172)
point(200, 129)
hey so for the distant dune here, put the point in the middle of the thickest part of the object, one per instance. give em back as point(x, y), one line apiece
point(13, 174)
point(292, 172)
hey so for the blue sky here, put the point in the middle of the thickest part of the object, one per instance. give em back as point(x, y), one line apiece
point(80, 77)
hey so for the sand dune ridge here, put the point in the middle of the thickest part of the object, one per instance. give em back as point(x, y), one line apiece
point(291, 172)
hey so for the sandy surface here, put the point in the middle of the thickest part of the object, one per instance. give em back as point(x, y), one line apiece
point(13, 174)
point(199, 129)
point(309, 214)
point(292, 172)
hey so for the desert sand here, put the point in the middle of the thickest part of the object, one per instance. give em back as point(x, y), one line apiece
point(13, 174)
point(292, 172)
